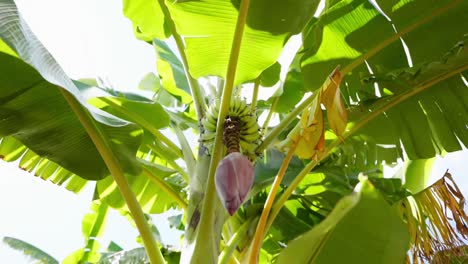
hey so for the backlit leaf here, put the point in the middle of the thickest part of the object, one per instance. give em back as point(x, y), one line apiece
point(208, 29)
point(147, 18)
point(362, 225)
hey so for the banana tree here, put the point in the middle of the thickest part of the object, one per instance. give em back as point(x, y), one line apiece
point(374, 83)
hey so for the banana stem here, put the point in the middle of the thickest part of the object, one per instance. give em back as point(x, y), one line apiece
point(189, 158)
point(204, 234)
point(234, 241)
point(285, 195)
point(257, 242)
point(113, 164)
point(255, 96)
point(267, 120)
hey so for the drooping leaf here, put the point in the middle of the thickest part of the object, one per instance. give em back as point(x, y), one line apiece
point(19, 41)
point(208, 29)
point(363, 226)
point(436, 219)
point(29, 250)
point(331, 98)
point(35, 112)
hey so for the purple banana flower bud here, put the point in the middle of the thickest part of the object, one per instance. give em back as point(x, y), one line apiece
point(234, 178)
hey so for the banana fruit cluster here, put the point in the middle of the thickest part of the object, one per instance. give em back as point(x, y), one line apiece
point(250, 137)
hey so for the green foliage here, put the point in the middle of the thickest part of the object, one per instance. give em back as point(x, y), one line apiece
point(363, 226)
point(29, 250)
point(11, 150)
point(93, 225)
point(208, 28)
point(270, 76)
point(35, 113)
point(415, 114)
point(171, 72)
point(147, 188)
point(148, 19)
point(268, 166)
point(417, 173)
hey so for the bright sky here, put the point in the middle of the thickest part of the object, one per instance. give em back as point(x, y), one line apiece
point(91, 38)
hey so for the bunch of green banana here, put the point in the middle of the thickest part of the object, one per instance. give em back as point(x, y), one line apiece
point(250, 136)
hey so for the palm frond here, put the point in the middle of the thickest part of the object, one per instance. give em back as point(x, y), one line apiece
point(29, 250)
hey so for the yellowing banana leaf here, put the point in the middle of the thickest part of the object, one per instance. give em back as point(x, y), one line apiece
point(312, 137)
point(331, 98)
point(309, 134)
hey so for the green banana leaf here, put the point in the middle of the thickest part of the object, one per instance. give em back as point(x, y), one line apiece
point(427, 114)
point(11, 149)
point(147, 189)
point(362, 225)
point(93, 225)
point(40, 129)
point(35, 112)
point(208, 30)
point(423, 105)
point(171, 72)
point(147, 18)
